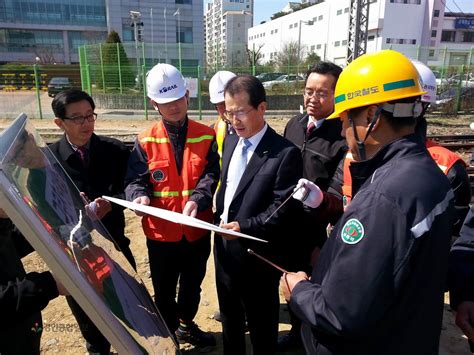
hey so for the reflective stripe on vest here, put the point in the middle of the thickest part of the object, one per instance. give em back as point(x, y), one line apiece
point(172, 189)
point(166, 140)
point(172, 193)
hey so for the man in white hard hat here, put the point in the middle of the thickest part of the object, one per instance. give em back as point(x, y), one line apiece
point(175, 166)
point(449, 162)
point(223, 126)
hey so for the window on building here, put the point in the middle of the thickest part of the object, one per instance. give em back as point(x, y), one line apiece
point(318, 46)
point(346, 10)
point(468, 37)
point(448, 36)
point(431, 53)
point(315, 19)
point(337, 44)
point(189, 2)
point(320, 17)
point(388, 40)
point(433, 33)
point(295, 25)
point(370, 38)
point(436, 13)
point(185, 35)
point(312, 48)
point(339, 12)
point(276, 30)
point(271, 32)
point(344, 42)
point(291, 26)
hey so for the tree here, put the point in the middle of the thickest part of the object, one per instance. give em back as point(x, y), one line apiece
point(311, 59)
point(278, 14)
point(112, 55)
point(290, 55)
point(254, 54)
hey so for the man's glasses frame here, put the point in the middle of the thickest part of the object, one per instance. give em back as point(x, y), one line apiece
point(79, 120)
point(237, 114)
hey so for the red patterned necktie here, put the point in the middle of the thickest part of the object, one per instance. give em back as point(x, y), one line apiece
point(82, 151)
point(310, 128)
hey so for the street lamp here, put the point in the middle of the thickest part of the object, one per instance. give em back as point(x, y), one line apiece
point(309, 23)
point(178, 13)
point(136, 16)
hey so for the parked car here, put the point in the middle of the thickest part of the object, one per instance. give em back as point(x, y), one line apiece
point(263, 77)
point(467, 80)
point(58, 84)
point(447, 99)
point(282, 81)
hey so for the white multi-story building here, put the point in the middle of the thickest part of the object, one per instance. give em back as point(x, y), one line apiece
point(226, 26)
point(419, 28)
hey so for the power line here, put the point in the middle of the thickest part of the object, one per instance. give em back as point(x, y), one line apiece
point(446, 6)
point(455, 4)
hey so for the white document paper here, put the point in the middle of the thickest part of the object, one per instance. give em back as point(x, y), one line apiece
point(178, 218)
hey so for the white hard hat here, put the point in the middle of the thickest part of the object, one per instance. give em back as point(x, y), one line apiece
point(428, 81)
point(217, 85)
point(165, 83)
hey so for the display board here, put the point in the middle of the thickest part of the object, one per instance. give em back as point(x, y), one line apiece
point(47, 208)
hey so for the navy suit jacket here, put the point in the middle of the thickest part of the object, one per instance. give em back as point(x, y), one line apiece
point(270, 177)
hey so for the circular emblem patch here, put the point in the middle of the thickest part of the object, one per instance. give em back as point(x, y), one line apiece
point(158, 175)
point(352, 232)
point(214, 147)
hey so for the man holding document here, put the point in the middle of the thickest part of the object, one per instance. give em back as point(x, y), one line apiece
point(175, 166)
point(259, 171)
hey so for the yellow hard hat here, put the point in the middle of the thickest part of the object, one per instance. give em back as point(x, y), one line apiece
point(376, 78)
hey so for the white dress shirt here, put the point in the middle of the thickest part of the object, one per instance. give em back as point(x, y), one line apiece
point(233, 176)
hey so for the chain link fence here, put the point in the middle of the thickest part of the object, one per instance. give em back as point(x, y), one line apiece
point(115, 75)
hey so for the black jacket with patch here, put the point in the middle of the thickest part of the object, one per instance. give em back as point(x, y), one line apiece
point(378, 286)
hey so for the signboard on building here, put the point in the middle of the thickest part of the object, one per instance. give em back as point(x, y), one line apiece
point(464, 23)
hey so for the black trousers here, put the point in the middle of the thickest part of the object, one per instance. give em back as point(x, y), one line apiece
point(253, 294)
point(172, 261)
point(95, 341)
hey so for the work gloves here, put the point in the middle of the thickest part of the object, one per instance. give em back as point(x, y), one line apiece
point(309, 193)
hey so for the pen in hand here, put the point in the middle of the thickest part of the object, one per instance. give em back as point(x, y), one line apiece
point(283, 203)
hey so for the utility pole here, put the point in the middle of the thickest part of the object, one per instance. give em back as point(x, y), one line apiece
point(135, 17)
point(309, 23)
point(358, 28)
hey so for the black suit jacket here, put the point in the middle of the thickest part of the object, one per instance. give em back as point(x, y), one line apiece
point(108, 159)
point(270, 177)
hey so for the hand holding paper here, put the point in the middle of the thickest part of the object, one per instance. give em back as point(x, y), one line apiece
point(178, 218)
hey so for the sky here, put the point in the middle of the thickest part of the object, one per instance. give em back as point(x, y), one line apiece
point(265, 8)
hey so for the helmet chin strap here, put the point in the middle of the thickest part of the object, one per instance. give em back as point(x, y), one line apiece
point(361, 144)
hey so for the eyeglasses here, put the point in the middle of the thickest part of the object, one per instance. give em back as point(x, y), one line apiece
point(237, 114)
point(317, 94)
point(79, 120)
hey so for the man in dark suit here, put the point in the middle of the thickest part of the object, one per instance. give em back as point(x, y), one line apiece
point(259, 171)
point(97, 165)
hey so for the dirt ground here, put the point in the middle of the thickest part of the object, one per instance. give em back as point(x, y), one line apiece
point(61, 334)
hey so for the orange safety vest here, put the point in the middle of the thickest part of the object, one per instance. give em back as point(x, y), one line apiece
point(170, 190)
point(443, 157)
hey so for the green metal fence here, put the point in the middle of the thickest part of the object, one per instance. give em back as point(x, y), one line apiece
point(115, 75)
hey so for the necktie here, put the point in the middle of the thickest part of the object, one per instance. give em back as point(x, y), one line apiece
point(82, 151)
point(310, 128)
point(237, 167)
